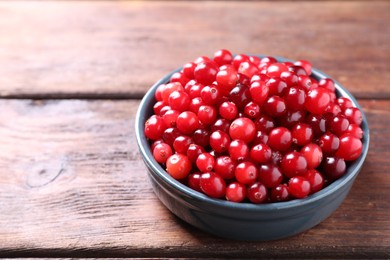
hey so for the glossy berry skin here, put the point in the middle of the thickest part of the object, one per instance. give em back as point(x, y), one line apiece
point(224, 166)
point(259, 92)
point(299, 187)
point(270, 175)
point(355, 130)
point(293, 164)
point(333, 167)
point(154, 127)
point(235, 192)
point(329, 143)
point(313, 155)
point(246, 172)
point(222, 57)
point(280, 139)
point(257, 193)
point(205, 162)
point(339, 125)
point(210, 95)
point(228, 110)
point(238, 150)
point(162, 152)
point(302, 134)
point(250, 129)
point(260, 153)
point(187, 122)
point(354, 115)
point(182, 143)
point(212, 185)
point(205, 72)
point(243, 129)
point(295, 99)
point(227, 80)
point(193, 151)
point(240, 95)
point(316, 180)
point(201, 137)
point(207, 115)
point(275, 106)
point(179, 100)
point(280, 193)
point(317, 100)
point(178, 166)
point(350, 147)
point(193, 181)
point(219, 141)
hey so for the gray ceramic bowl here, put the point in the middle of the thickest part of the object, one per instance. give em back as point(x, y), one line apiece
point(245, 221)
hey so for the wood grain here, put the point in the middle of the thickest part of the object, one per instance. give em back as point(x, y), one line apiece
point(104, 49)
point(73, 185)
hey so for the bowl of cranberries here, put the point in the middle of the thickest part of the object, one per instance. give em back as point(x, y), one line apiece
point(251, 147)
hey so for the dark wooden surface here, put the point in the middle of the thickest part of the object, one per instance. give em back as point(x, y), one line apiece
point(72, 183)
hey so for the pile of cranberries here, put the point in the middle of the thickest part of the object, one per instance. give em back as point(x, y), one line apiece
point(250, 129)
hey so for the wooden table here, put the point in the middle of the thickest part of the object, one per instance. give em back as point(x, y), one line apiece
point(72, 183)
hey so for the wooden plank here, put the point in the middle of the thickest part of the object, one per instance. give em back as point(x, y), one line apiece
point(73, 184)
point(117, 49)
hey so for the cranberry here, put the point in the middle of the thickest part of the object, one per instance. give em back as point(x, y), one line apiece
point(316, 180)
point(187, 122)
point(313, 155)
point(350, 147)
point(178, 166)
point(333, 167)
point(261, 153)
point(243, 128)
point(205, 72)
point(259, 92)
point(317, 100)
point(212, 185)
point(240, 95)
point(270, 175)
point(275, 106)
point(194, 151)
point(235, 192)
point(299, 187)
point(293, 164)
point(251, 129)
point(280, 193)
point(353, 115)
point(302, 134)
point(201, 137)
point(227, 80)
point(280, 139)
point(219, 141)
point(304, 64)
point(295, 99)
point(329, 143)
point(228, 110)
point(205, 162)
point(161, 152)
point(193, 181)
point(238, 150)
point(257, 193)
point(246, 172)
point(222, 57)
point(207, 115)
point(224, 166)
point(210, 95)
point(154, 127)
point(182, 143)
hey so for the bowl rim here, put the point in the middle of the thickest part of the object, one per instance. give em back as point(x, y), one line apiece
point(158, 171)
